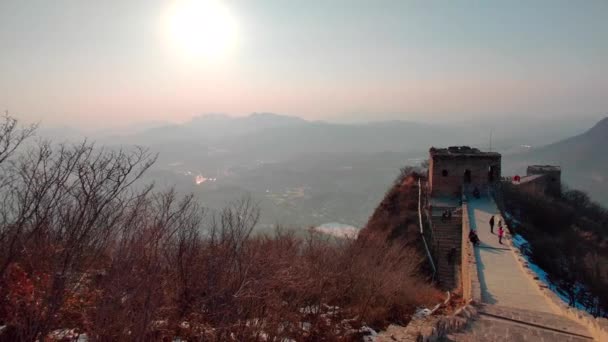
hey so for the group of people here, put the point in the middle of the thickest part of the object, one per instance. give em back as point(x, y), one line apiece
point(501, 232)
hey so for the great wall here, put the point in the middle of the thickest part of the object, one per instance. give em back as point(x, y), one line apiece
point(503, 300)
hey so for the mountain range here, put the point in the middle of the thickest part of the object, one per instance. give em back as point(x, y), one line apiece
point(583, 159)
point(308, 173)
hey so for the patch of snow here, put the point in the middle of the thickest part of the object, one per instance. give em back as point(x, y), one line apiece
point(370, 334)
point(422, 312)
point(65, 334)
point(310, 310)
point(339, 230)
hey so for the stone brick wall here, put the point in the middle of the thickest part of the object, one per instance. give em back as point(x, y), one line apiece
point(471, 288)
point(447, 173)
point(431, 328)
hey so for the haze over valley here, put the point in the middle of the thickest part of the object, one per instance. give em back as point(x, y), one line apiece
point(307, 173)
point(319, 170)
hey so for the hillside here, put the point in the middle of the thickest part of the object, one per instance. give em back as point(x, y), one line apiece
point(395, 219)
point(308, 173)
point(583, 159)
point(304, 173)
point(567, 237)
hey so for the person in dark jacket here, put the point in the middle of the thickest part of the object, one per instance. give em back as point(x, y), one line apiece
point(492, 225)
point(473, 237)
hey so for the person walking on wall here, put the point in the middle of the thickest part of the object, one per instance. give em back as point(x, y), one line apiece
point(492, 225)
point(501, 232)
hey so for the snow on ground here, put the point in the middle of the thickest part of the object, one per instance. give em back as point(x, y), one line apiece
point(370, 334)
point(338, 230)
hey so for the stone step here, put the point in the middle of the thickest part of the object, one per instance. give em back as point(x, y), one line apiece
point(490, 329)
point(448, 231)
point(533, 317)
point(447, 246)
point(447, 228)
point(448, 239)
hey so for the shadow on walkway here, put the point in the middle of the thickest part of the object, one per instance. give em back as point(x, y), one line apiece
point(486, 296)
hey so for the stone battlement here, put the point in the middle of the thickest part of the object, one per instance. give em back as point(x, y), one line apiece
point(460, 151)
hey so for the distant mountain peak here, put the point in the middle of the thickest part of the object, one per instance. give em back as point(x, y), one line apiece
point(211, 116)
point(273, 117)
point(264, 115)
point(600, 128)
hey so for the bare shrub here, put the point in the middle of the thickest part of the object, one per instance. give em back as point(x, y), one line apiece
point(567, 236)
point(84, 247)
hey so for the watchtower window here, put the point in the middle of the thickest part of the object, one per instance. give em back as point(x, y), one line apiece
point(491, 174)
point(467, 176)
point(444, 173)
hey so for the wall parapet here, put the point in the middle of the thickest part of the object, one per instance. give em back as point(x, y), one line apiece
point(471, 288)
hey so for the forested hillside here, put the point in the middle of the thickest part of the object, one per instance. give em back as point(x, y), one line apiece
point(568, 239)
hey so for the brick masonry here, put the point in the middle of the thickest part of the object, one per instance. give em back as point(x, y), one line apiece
point(447, 239)
point(448, 171)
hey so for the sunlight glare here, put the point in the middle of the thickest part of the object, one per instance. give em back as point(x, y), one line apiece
point(201, 28)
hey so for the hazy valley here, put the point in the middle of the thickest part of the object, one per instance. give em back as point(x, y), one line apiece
point(306, 173)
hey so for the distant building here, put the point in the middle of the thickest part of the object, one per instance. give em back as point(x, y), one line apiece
point(452, 168)
point(542, 179)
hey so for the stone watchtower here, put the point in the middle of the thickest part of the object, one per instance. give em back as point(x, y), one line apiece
point(452, 168)
point(548, 177)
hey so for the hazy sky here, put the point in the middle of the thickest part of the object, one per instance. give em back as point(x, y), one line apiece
point(112, 62)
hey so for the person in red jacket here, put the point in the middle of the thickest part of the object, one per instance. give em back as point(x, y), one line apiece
point(501, 232)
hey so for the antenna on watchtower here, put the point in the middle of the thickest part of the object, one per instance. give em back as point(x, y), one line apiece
point(490, 140)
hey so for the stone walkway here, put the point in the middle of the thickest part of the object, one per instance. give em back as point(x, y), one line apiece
point(513, 307)
point(500, 276)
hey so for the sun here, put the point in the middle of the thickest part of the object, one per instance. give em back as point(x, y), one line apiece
point(203, 29)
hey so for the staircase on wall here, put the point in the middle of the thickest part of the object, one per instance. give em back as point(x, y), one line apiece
point(447, 235)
